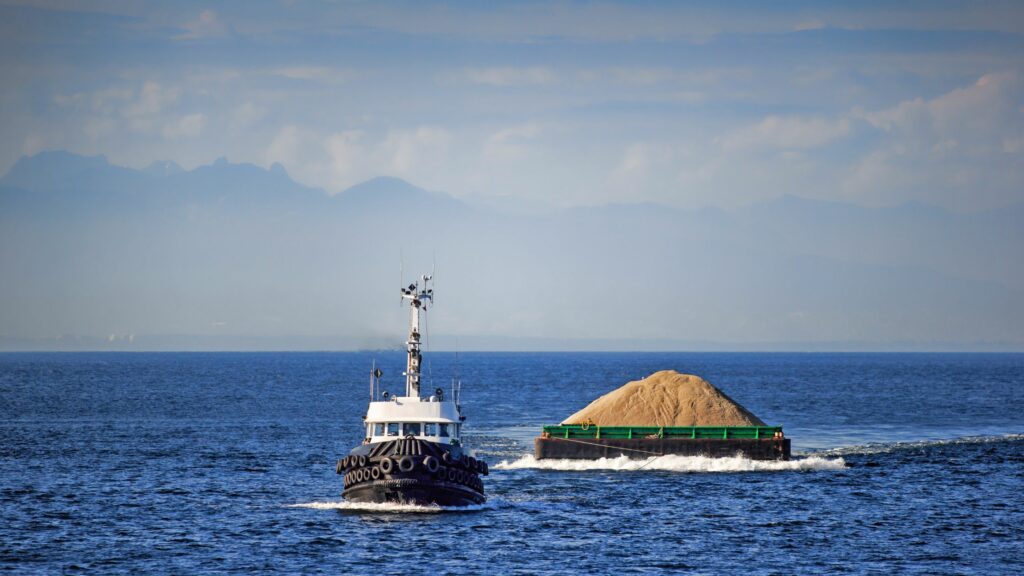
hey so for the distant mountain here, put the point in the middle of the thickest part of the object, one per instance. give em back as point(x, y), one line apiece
point(60, 170)
point(231, 256)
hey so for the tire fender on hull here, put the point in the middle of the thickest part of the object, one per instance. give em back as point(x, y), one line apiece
point(406, 464)
point(431, 464)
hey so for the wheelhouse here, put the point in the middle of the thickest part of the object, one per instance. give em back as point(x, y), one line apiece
point(434, 431)
point(426, 418)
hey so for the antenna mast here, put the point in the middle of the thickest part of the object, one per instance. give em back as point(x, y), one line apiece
point(418, 297)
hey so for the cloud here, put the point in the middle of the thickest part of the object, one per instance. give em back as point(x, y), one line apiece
point(246, 114)
point(206, 25)
point(812, 24)
point(188, 126)
point(406, 150)
point(347, 157)
point(340, 159)
point(787, 132)
point(957, 149)
point(639, 157)
point(645, 170)
point(290, 147)
point(508, 144)
point(642, 75)
point(145, 109)
point(978, 117)
point(509, 76)
point(324, 74)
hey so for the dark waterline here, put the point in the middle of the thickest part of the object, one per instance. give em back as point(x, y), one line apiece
point(195, 462)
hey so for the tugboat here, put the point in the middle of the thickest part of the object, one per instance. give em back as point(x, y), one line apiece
point(412, 452)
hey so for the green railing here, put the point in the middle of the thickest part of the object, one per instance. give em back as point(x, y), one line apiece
point(636, 432)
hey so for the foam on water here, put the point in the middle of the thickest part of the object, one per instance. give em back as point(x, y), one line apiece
point(391, 507)
point(676, 463)
point(889, 447)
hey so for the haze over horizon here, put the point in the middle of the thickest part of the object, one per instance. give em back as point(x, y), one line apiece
point(602, 175)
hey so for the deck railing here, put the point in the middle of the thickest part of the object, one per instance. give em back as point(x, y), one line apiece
point(636, 432)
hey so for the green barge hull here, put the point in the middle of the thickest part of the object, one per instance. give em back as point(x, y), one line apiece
point(582, 442)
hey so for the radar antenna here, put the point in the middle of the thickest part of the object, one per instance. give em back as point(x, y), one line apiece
point(419, 294)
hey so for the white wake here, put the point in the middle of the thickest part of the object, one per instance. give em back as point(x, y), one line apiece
point(889, 447)
point(676, 463)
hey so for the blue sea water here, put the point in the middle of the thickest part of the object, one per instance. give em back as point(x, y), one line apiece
point(224, 463)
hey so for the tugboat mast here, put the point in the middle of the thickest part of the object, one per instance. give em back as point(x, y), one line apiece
point(418, 297)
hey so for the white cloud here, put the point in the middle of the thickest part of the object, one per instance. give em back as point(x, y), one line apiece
point(644, 170)
point(812, 24)
point(347, 157)
point(144, 111)
point(957, 149)
point(98, 127)
point(152, 99)
point(33, 144)
point(787, 132)
point(509, 144)
point(638, 158)
point(643, 76)
point(324, 74)
point(287, 147)
point(206, 25)
point(508, 76)
point(980, 116)
point(406, 150)
point(338, 160)
point(246, 114)
point(188, 126)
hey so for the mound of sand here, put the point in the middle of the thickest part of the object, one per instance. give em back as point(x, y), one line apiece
point(665, 398)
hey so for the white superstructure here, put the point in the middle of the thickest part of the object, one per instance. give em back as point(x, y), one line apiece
point(435, 418)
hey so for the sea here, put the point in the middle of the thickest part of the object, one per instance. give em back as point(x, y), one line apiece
point(216, 463)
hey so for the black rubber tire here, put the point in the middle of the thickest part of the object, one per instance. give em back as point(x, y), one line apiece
point(451, 474)
point(339, 467)
point(484, 469)
point(387, 465)
point(447, 458)
point(406, 464)
point(431, 464)
point(470, 463)
point(375, 472)
point(362, 460)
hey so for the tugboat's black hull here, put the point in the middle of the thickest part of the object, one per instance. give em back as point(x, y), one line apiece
point(414, 491)
point(412, 471)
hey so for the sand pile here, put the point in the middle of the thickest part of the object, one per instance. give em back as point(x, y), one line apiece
point(665, 398)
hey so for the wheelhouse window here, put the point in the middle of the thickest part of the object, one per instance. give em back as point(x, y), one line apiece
point(393, 428)
point(412, 429)
point(443, 430)
point(430, 429)
point(378, 429)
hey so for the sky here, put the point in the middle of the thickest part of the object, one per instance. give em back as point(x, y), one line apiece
point(639, 175)
point(562, 104)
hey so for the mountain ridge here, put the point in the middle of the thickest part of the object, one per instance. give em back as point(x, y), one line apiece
point(228, 252)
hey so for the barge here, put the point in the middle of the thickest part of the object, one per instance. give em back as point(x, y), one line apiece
point(588, 442)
